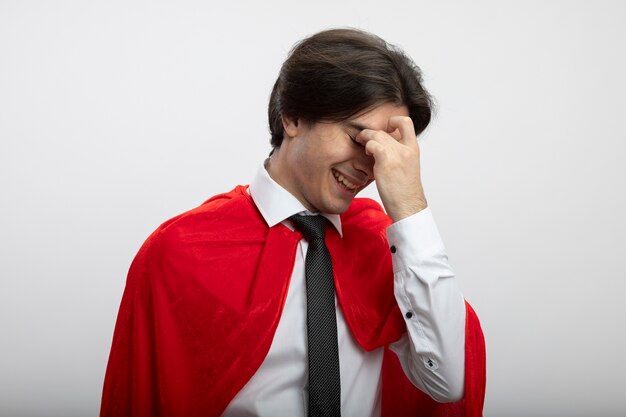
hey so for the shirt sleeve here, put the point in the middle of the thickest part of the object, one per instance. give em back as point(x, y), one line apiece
point(432, 352)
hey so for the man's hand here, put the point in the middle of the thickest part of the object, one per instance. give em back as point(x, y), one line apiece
point(396, 166)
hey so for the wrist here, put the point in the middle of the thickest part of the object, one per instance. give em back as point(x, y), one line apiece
point(407, 209)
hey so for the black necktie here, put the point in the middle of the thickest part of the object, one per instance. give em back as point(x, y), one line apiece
point(324, 382)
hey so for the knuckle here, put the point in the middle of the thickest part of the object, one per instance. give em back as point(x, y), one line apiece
point(378, 135)
point(372, 146)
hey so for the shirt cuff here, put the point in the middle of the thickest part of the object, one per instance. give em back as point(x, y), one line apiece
point(413, 240)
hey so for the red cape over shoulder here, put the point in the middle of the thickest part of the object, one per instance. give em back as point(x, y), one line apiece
point(204, 296)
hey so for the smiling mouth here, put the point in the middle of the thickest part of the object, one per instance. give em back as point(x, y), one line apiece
point(344, 181)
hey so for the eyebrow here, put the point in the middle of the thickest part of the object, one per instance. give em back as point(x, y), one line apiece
point(355, 126)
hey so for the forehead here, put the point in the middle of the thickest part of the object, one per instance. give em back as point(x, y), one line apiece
point(377, 117)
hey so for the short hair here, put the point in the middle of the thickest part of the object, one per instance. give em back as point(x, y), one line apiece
point(337, 74)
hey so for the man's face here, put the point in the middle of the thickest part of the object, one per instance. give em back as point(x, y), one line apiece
point(322, 165)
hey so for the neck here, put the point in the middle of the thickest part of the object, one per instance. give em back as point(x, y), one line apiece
point(277, 168)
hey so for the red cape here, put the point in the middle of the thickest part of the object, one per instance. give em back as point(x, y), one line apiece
point(204, 296)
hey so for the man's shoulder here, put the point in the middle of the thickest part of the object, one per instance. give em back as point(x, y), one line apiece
point(222, 217)
point(201, 243)
point(365, 213)
point(365, 209)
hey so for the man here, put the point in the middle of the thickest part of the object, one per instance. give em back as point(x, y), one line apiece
point(221, 314)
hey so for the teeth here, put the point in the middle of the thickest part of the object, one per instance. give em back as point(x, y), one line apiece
point(344, 181)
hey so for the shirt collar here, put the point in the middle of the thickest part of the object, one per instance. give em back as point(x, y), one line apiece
point(276, 204)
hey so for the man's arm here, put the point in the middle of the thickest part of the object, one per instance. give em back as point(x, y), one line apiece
point(432, 353)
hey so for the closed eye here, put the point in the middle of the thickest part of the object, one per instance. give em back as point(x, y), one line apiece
point(353, 139)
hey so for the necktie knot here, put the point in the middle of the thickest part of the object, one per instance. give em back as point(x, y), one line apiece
point(312, 227)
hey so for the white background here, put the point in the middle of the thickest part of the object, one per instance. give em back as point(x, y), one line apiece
point(116, 115)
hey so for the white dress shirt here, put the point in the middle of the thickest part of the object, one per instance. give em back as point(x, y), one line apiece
point(431, 352)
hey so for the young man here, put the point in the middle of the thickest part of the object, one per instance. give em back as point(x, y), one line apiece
point(222, 314)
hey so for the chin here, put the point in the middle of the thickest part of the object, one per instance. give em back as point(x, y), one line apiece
point(338, 208)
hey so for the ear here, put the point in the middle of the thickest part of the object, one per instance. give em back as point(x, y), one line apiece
point(290, 125)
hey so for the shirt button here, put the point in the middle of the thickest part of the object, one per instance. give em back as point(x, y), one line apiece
point(409, 314)
point(393, 249)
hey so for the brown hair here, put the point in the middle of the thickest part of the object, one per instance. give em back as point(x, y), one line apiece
point(339, 73)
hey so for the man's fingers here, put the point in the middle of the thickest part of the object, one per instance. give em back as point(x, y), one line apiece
point(399, 130)
point(375, 149)
point(405, 126)
point(379, 144)
point(379, 136)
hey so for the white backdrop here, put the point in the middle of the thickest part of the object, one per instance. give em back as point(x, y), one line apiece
point(116, 115)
